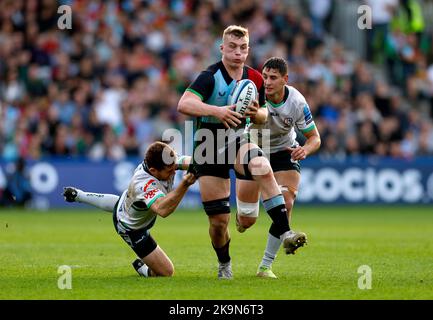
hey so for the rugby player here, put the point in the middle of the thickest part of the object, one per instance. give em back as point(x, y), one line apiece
point(150, 194)
point(287, 109)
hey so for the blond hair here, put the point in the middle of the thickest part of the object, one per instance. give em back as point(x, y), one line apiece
point(236, 31)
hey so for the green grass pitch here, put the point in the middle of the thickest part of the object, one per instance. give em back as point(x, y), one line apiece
point(395, 242)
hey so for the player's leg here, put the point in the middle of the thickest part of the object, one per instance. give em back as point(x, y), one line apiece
point(152, 260)
point(251, 161)
point(247, 201)
point(288, 181)
point(215, 193)
point(102, 201)
point(155, 264)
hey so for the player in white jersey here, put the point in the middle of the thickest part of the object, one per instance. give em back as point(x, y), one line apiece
point(150, 194)
point(287, 109)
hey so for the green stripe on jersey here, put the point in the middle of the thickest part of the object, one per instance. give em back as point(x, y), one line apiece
point(308, 129)
point(153, 200)
point(276, 105)
point(180, 160)
point(195, 92)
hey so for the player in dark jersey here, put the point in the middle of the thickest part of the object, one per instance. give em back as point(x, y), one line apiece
point(207, 99)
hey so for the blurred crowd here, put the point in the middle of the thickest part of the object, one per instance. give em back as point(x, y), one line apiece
point(109, 86)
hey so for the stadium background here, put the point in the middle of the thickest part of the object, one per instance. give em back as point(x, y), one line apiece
point(104, 89)
point(80, 106)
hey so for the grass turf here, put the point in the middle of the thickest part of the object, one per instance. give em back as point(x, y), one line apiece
point(396, 242)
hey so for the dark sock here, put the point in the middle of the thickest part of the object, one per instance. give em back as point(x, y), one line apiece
point(223, 252)
point(276, 209)
point(274, 230)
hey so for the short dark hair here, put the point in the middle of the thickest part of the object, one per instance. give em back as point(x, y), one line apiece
point(278, 64)
point(159, 155)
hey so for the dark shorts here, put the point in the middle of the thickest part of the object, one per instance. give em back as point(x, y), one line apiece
point(216, 159)
point(139, 240)
point(280, 161)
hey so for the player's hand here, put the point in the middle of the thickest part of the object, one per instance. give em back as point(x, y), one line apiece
point(252, 109)
point(227, 116)
point(189, 179)
point(297, 153)
point(192, 169)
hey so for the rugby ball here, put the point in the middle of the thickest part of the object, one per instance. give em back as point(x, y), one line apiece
point(243, 95)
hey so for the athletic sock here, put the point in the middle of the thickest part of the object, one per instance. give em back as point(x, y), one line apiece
point(144, 270)
point(276, 209)
point(100, 200)
point(223, 252)
point(272, 246)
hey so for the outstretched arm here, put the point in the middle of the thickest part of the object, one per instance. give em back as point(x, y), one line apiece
point(164, 206)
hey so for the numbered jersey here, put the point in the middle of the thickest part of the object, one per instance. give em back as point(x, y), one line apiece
point(282, 118)
point(133, 210)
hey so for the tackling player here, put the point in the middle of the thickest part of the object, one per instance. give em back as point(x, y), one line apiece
point(287, 108)
point(150, 194)
point(207, 99)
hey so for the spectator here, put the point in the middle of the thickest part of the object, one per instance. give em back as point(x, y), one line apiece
point(122, 67)
point(18, 191)
point(382, 12)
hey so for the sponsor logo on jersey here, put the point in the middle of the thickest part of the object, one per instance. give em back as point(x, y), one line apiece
point(150, 194)
point(288, 121)
point(221, 94)
point(152, 181)
point(307, 115)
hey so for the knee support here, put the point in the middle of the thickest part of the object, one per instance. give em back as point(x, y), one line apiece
point(249, 155)
point(247, 209)
point(220, 206)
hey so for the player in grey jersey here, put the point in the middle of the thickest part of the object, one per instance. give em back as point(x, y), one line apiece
point(287, 109)
point(150, 194)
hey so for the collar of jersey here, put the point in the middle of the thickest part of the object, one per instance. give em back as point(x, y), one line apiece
point(145, 168)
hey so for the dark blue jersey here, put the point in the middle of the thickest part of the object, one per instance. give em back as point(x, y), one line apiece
point(214, 85)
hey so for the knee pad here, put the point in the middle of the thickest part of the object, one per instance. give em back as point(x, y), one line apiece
point(220, 206)
point(249, 155)
point(248, 209)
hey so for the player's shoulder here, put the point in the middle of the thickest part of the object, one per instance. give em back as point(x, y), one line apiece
point(295, 96)
point(213, 68)
point(254, 75)
point(143, 179)
point(252, 70)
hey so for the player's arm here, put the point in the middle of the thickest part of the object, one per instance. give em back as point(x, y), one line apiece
point(312, 144)
point(183, 162)
point(306, 125)
point(257, 115)
point(191, 105)
point(164, 206)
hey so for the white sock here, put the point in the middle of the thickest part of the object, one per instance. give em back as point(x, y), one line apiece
point(102, 201)
point(144, 270)
point(272, 247)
